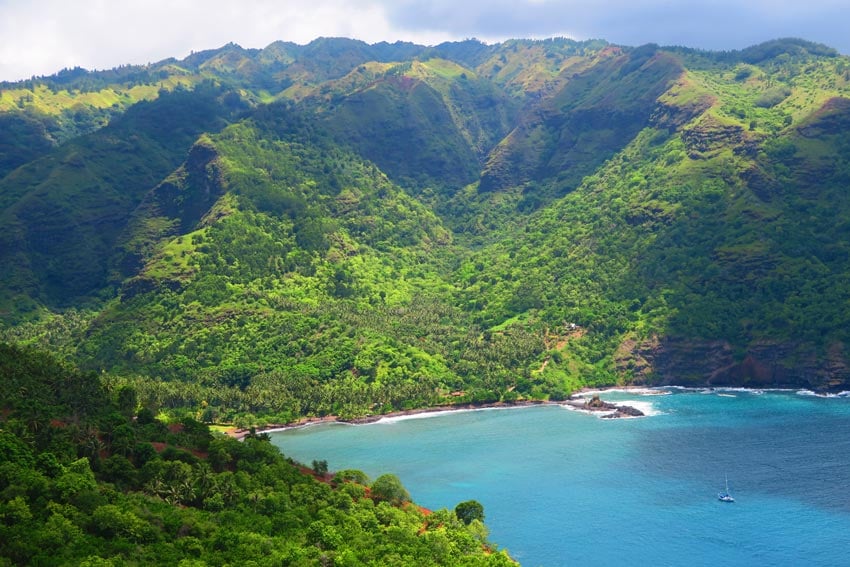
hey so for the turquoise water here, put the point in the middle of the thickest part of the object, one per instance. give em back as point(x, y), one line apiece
point(560, 487)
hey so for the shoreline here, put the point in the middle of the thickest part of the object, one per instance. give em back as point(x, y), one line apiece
point(580, 401)
point(576, 401)
point(367, 419)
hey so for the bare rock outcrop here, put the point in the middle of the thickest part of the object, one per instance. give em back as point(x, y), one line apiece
point(764, 364)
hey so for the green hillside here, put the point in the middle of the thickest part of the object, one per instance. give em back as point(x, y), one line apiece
point(427, 123)
point(61, 213)
point(343, 228)
point(709, 249)
point(86, 479)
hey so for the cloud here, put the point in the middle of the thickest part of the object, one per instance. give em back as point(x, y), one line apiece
point(42, 36)
point(708, 24)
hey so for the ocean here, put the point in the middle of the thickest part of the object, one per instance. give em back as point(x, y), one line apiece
point(562, 487)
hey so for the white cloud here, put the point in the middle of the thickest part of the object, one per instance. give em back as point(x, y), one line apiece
point(42, 36)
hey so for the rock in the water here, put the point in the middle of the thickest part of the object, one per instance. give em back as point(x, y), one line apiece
point(629, 411)
point(596, 403)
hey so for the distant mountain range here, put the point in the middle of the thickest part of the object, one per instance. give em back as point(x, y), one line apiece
point(349, 228)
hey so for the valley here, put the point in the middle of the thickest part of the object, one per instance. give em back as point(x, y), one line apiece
point(349, 228)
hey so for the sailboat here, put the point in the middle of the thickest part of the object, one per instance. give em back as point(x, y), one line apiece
point(725, 496)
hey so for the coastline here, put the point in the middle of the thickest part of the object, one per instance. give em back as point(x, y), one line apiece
point(367, 419)
point(577, 401)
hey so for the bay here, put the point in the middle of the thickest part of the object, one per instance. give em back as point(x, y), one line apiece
point(561, 487)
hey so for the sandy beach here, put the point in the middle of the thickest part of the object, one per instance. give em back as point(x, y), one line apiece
point(578, 401)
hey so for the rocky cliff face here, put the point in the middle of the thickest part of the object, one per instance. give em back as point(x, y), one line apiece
point(715, 363)
point(175, 206)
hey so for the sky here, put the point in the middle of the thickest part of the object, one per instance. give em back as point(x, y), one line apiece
point(41, 37)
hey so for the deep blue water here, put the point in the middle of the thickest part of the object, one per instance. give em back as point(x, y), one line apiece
point(561, 487)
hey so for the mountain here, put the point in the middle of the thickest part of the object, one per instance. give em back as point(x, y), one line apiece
point(344, 228)
point(62, 211)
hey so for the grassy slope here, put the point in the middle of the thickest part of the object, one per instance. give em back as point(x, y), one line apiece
point(38, 115)
point(595, 114)
point(426, 123)
point(62, 213)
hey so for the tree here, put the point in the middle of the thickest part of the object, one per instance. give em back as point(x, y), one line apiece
point(123, 440)
point(469, 511)
point(77, 479)
point(111, 521)
point(128, 399)
point(351, 475)
point(388, 488)
point(320, 467)
point(145, 417)
point(14, 450)
point(15, 511)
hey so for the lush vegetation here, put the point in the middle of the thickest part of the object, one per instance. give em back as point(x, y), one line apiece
point(349, 229)
point(254, 236)
point(88, 477)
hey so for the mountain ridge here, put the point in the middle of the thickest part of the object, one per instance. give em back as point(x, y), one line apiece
point(372, 228)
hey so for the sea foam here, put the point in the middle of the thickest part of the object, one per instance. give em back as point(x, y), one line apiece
point(631, 391)
point(646, 407)
point(842, 394)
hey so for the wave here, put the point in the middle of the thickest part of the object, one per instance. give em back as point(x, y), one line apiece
point(694, 389)
point(841, 394)
point(659, 391)
point(421, 415)
point(305, 425)
point(729, 389)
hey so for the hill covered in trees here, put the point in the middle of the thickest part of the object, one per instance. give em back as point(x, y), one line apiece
point(85, 479)
point(348, 229)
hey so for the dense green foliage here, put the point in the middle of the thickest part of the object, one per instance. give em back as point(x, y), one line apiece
point(349, 229)
point(470, 511)
point(87, 478)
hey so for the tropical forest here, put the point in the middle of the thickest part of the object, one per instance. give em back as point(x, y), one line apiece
point(342, 230)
